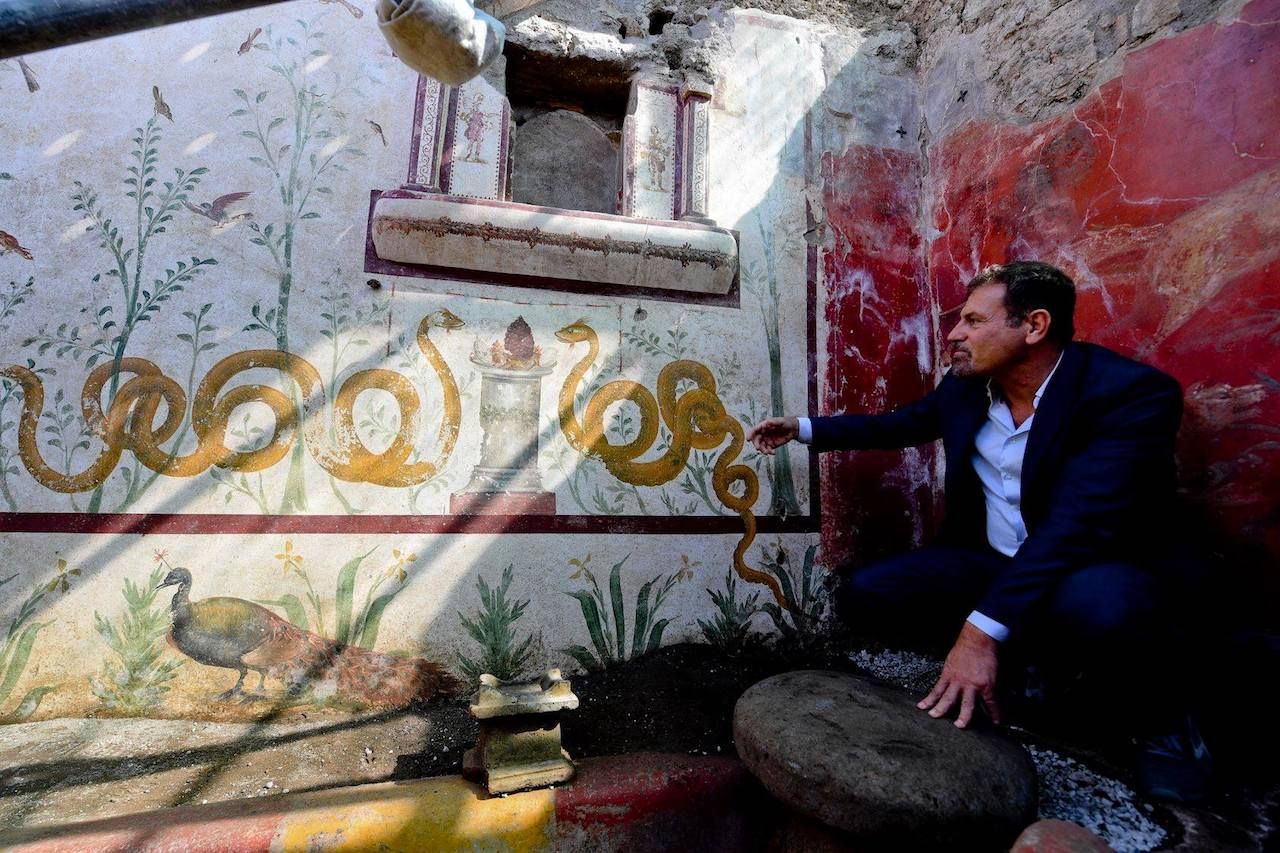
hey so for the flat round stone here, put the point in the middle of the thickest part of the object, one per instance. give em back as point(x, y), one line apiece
point(860, 757)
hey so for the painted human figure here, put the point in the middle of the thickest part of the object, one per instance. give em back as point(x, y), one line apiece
point(1057, 549)
point(477, 120)
point(655, 154)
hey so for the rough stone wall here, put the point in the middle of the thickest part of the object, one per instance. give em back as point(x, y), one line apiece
point(1024, 62)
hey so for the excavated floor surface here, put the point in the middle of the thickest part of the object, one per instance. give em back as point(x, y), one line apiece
point(677, 700)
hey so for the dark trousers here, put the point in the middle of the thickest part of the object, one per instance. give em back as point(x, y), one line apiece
point(1108, 621)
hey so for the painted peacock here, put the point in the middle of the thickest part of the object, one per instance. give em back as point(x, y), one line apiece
point(236, 634)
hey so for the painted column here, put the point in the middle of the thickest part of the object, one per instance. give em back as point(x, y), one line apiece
point(696, 129)
point(428, 143)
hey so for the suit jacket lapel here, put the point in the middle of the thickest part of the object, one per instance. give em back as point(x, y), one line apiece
point(969, 419)
point(1059, 400)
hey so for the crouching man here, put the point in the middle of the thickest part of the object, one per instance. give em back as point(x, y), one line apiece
point(1060, 493)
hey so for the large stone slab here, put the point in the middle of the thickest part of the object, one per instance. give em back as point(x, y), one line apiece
point(860, 757)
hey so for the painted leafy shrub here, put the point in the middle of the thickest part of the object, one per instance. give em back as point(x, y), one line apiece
point(493, 628)
point(729, 630)
point(802, 624)
point(138, 677)
point(607, 620)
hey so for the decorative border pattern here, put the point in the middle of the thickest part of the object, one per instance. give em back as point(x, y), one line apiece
point(697, 127)
point(425, 170)
point(444, 226)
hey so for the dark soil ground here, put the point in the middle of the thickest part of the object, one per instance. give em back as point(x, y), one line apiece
point(679, 699)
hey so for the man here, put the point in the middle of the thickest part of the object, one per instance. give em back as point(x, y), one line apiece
point(1059, 486)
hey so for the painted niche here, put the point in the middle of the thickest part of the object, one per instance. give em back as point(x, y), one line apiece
point(455, 216)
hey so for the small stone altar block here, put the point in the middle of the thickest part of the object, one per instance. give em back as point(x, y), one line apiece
point(519, 744)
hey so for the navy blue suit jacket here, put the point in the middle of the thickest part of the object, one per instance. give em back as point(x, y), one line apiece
point(1098, 477)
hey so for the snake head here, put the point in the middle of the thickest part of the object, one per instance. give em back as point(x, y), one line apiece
point(576, 332)
point(445, 319)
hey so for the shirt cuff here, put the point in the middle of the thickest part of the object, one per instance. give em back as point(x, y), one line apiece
point(805, 435)
point(988, 626)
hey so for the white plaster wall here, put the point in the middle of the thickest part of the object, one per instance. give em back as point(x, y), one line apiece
point(79, 127)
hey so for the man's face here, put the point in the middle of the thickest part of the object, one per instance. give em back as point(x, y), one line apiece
point(983, 342)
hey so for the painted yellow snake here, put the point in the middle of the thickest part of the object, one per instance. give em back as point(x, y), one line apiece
point(696, 419)
point(130, 421)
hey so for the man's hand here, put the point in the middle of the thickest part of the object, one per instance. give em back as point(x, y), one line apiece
point(968, 675)
point(771, 433)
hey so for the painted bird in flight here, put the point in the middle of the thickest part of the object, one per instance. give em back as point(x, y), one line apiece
point(356, 11)
point(9, 243)
point(162, 109)
point(247, 44)
point(217, 209)
point(28, 75)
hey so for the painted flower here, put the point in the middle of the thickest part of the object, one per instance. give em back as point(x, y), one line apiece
point(687, 566)
point(399, 567)
point(581, 564)
point(62, 580)
point(160, 555)
point(290, 560)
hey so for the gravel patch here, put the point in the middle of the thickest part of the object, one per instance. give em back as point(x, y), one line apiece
point(1107, 807)
point(913, 671)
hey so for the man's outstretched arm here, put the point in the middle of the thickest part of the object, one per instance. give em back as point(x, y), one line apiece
point(918, 422)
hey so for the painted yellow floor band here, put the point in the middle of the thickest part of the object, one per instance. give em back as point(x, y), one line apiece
point(435, 814)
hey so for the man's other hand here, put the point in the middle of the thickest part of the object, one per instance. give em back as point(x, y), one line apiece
point(969, 675)
point(771, 433)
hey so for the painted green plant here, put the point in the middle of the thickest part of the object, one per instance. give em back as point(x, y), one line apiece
point(493, 629)
point(143, 294)
point(352, 625)
point(606, 620)
point(19, 641)
point(802, 625)
point(11, 392)
point(730, 628)
point(64, 429)
point(760, 280)
point(296, 129)
point(347, 326)
point(137, 679)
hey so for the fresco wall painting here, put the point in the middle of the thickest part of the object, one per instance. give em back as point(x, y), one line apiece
point(250, 456)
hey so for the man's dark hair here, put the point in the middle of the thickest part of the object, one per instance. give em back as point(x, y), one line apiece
point(1032, 286)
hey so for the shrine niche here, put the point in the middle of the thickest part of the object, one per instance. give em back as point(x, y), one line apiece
point(539, 202)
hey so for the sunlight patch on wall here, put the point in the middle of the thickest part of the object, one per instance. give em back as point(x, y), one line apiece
point(199, 143)
point(195, 52)
point(62, 143)
point(76, 230)
point(319, 62)
point(335, 146)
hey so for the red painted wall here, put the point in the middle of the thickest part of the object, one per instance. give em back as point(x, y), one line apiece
point(1159, 193)
point(881, 345)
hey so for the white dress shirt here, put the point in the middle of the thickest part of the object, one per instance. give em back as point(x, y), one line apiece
point(997, 460)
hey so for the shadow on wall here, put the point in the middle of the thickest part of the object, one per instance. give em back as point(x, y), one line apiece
point(302, 638)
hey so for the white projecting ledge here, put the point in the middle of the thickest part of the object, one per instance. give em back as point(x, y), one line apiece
point(501, 237)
